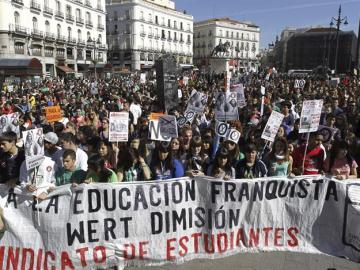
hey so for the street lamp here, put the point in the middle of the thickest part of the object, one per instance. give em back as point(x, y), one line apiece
point(94, 60)
point(338, 21)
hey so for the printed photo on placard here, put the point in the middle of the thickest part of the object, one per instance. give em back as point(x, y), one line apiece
point(272, 126)
point(226, 106)
point(10, 122)
point(197, 102)
point(119, 126)
point(34, 147)
point(310, 115)
point(168, 126)
point(239, 90)
point(221, 128)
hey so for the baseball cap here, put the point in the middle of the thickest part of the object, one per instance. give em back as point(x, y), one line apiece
point(51, 137)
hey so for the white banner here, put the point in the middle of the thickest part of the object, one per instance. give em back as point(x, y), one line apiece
point(197, 102)
point(152, 223)
point(310, 115)
point(272, 126)
point(119, 127)
point(226, 106)
point(34, 147)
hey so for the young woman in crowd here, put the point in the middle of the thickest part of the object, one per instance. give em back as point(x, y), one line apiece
point(221, 167)
point(105, 150)
point(279, 161)
point(195, 161)
point(133, 167)
point(104, 129)
point(163, 166)
point(97, 171)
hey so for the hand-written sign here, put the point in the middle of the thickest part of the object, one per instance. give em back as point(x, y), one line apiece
point(53, 113)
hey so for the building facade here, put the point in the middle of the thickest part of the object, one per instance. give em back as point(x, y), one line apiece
point(140, 31)
point(244, 39)
point(63, 35)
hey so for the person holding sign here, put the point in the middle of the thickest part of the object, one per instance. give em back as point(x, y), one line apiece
point(314, 158)
point(221, 167)
point(340, 163)
point(163, 165)
point(278, 161)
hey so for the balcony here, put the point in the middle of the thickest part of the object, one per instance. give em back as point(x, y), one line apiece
point(142, 34)
point(89, 24)
point(81, 42)
point(188, 42)
point(59, 14)
point(169, 39)
point(48, 11)
point(35, 6)
point(69, 18)
point(142, 19)
point(19, 30)
point(36, 52)
point(102, 47)
point(150, 35)
point(90, 44)
point(37, 34)
point(88, 58)
point(115, 18)
point(49, 36)
point(163, 38)
point(70, 56)
point(60, 56)
point(78, 1)
point(181, 41)
point(79, 21)
point(100, 26)
point(19, 50)
point(100, 8)
point(88, 3)
point(100, 59)
point(72, 40)
point(61, 39)
point(49, 54)
point(18, 2)
point(176, 40)
point(80, 56)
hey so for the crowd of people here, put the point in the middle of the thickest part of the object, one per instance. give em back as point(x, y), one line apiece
point(77, 149)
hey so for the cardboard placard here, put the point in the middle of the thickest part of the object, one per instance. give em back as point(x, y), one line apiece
point(119, 127)
point(53, 113)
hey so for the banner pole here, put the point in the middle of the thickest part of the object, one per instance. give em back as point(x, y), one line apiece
point(262, 152)
point(306, 147)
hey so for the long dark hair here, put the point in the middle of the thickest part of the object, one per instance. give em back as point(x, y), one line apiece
point(131, 155)
point(335, 149)
point(97, 164)
point(221, 152)
point(156, 162)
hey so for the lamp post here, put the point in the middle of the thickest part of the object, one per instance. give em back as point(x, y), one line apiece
point(338, 21)
point(94, 60)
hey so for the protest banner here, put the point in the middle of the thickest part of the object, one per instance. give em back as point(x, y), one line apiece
point(239, 90)
point(221, 128)
point(10, 122)
point(310, 115)
point(34, 147)
point(197, 102)
point(233, 135)
point(168, 126)
point(299, 84)
point(53, 113)
point(226, 106)
point(153, 223)
point(272, 126)
point(119, 127)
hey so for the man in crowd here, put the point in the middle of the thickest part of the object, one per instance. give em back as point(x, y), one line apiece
point(69, 173)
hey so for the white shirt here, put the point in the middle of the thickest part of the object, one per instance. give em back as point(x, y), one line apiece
point(42, 176)
point(136, 111)
point(81, 159)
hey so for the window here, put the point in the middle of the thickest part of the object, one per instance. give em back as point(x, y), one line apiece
point(210, 33)
point(150, 30)
point(181, 26)
point(68, 10)
point(141, 15)
point(227, 34)
point(99, 20)
point(188, 27)
point(127, 29)
point(100, 39)
point(88, 18)
point(58, 30)
point(169, 35)
point(47, 27)
point(69, 33)
point(46, 3)
point(237, 35)
point(232, 34)
point(175, 36)
point(163, 34)
point(175, 24)
point(88, 36)
point(35, 23)
point(17, 18)
point(156, 20)
point(220, 33)
point(127, 14)
point(58, 6)
point(169, 23)
point(115, 15)
point(79, 34)
point(150, 17)
point(78, 13)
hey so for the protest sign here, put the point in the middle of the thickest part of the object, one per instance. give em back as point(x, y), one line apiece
point(119, 127)
point(143, 78)
point(310, 115)
point(299, 84)
point(155, 132)
point(168, 126)
point(239, 90)
point(327, 133)
point(185, 80)
point(53, 113)
point(189, 115)
point(34, 147)
point(226, 106)
point(155, 116)
point(101, 226)
point(221, 128)
point(10, 122)
point(272, 126)
point(181, 121)
point(197, 102)
point(233, 135)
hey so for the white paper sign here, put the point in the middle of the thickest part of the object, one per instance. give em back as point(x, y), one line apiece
point(119, 127)
point(239, 90)
point(34, 147)
point(221, 128)
point(143, 78)
point(10, 122)
point(189, 115)
point(272, 126)
point(226, 106)
point(197, 102)
point(327, 133)
point(233, 135)
point(185, 80)
point(168, 126)
point(310, 115)
point(263, 90)
point(299, 84)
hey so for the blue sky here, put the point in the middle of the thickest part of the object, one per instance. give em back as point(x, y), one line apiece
point(274, 15)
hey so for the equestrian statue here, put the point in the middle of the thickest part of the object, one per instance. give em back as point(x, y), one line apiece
point(221, 48)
